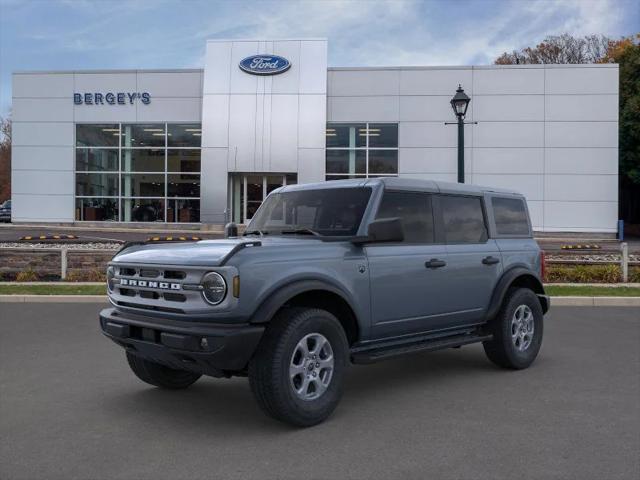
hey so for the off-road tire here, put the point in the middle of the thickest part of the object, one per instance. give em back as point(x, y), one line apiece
point(269, 368)
point(501, 349)
point(159, 375)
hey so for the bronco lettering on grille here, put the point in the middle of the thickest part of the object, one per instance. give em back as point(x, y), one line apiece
point(130, 282)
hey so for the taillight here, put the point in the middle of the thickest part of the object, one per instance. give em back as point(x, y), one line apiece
point(543, 265)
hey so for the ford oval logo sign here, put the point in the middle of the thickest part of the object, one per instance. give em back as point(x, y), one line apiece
point(265, 64)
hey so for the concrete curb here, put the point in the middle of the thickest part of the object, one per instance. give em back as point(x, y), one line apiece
point(555, 301)
point(595, 302)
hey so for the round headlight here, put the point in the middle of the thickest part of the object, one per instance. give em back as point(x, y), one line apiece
point(215, 288)
point(111, 272)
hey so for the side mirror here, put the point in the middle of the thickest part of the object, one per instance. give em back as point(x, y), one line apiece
point(230, 230)
point(383, 230)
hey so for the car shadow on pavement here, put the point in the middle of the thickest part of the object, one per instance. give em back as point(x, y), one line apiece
point(228, 403)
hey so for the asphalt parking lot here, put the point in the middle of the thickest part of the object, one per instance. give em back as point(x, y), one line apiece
point(71, 409)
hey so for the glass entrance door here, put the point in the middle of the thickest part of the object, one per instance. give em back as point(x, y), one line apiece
point(247, 192)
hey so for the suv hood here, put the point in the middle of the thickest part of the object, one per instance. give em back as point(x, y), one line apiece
point(208, 253)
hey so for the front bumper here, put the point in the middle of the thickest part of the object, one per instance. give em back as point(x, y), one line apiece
point(179, 344)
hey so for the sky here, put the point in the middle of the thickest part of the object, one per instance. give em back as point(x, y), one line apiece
point(114, 34)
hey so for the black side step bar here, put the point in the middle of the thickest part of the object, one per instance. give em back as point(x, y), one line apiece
point(378, 353)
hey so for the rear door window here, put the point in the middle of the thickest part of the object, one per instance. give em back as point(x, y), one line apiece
point(415, 212)
point(463, 219)
point(510, 215)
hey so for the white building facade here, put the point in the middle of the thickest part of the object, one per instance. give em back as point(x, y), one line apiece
point(206, 146)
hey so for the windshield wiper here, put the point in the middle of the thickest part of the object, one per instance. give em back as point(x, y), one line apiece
point(300, 231)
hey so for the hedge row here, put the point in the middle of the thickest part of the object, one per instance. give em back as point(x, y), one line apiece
point(589, 274)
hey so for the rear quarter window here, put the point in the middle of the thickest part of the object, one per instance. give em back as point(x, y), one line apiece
point(463, 219)
point(510, 215)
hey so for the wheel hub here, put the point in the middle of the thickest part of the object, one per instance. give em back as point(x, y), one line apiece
point(311, 366)
point(522, 327)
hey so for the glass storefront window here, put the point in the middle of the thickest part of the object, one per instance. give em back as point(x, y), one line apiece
point(361, 150)
point(346, 136)
point(102, 135)
point(96, 160)
point(383, 135)
point(183, 211)
point(346, 161)
point(143, 210)
point(143, 135)
point(143, 160)
point(343, 177)
point(186, 161)
point(383, 161)
point(183, 185)
point(184, 135)
point(154, 162)
point(96, 184)
point(247, 192)
point(96, 209)
point(143, 185)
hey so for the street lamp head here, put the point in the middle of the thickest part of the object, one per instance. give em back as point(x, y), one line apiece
point(460, 102)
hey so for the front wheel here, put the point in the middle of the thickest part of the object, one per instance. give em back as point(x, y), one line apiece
point(517, 330)
point(159, 375)
point(296, 373)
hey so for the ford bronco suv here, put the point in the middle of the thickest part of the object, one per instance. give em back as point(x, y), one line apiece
point(329, 274)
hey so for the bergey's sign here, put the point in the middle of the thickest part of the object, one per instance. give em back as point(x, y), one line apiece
point(265, 64)
point(110, 98)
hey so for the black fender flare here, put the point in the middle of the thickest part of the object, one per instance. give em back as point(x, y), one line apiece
point(280, 296)
point(507, 279)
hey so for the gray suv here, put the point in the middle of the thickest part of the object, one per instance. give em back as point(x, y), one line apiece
point(327, 275)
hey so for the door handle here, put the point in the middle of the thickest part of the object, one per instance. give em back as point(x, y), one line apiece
point(435, 263)
point(490, 260)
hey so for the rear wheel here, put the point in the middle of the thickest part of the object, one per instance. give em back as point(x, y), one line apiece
point(296, 373)
point(517, 330)
point(159, 375)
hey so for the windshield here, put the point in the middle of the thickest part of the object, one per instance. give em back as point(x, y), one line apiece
point(6, 204)
point(328, 211)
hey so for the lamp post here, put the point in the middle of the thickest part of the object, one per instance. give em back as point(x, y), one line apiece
point(460, 103)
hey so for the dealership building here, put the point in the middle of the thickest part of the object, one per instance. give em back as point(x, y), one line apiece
point(207, 145)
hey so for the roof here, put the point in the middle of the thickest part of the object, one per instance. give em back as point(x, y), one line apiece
point(404, 184)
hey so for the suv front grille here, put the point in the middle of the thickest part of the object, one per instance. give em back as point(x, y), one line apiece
point(153, 288)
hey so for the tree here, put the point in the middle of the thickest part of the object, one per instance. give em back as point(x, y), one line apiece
point(563, 48)
point(600, 49)
point(5, 159)
point(626, 53)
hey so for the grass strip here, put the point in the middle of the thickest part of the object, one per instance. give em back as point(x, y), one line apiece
point(52, 289)
point(591, 291)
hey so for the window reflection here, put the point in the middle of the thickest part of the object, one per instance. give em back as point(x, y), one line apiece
point(143, 135)
point(143, 210)
point(143, 160)
point(96, 159)
point(97, 184)
point(183, 185)
point(361, 149)
point(124, 161)
point(96, 209)
point(102, 135)
point(143, 185)
point(183, 211)
point(183, 160)
point(184, 135)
